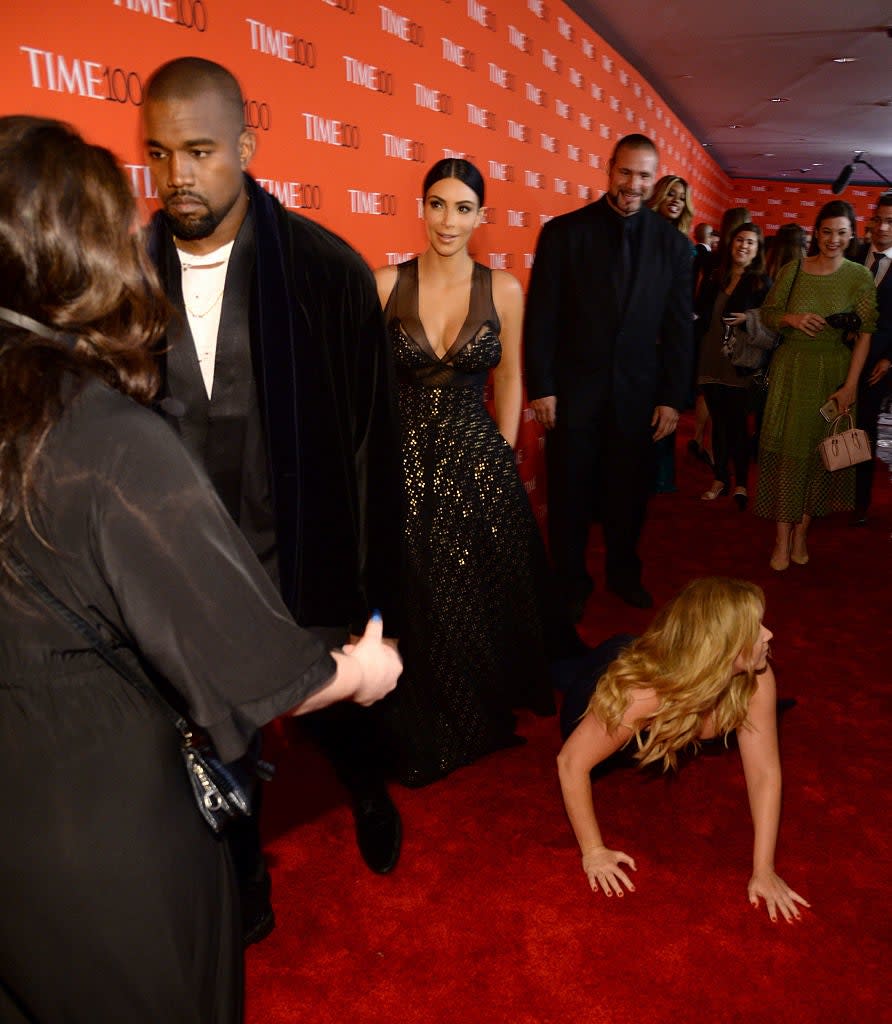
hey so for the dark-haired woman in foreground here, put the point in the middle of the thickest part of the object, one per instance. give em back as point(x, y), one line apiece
point(119, 904)
point(473, 642)
point(700, 671)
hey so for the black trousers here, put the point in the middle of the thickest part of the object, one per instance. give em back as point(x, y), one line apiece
point(597, 472)
point(867, 411)
point(351, 737)
point(730, 437)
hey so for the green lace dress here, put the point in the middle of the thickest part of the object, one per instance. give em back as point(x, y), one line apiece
point(804, 372)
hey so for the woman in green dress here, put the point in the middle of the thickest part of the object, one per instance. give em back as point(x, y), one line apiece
point(812, 366)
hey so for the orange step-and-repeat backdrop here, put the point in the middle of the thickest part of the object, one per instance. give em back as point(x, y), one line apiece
point(775, 203)
point(352, 99)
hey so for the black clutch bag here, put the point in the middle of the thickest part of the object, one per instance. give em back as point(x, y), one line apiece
point(222, 791)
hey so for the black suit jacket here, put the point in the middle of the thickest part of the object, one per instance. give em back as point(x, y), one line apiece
point(581, 347)
point(702, 267)
point(881, 339)
point(325, 386)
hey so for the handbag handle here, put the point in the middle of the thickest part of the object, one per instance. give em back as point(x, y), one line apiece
point(836, 422)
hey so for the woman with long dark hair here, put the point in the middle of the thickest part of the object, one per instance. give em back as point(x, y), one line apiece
point(788, 245)
point(699, 672)
point(812, 366)
point(119, 903)
point(474, 641)
point(739, 284)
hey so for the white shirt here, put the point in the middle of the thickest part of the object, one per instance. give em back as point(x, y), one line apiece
point(204, 279)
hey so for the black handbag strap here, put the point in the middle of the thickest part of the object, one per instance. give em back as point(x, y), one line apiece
point(105, 651)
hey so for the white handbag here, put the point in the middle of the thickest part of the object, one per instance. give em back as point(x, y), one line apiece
point(843, 448)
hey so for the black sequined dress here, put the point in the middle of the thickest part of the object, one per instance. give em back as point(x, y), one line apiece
point(473, 643)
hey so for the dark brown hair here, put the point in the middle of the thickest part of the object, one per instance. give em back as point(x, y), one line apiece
point(836, 208)
point(463, 170)
point(756, 267)
point(789, 244)
point(71, 259)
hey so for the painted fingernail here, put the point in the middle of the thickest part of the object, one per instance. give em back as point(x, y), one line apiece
point(376, 615)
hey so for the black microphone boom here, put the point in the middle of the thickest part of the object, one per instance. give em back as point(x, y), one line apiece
point(843, 179)
point(849, 169)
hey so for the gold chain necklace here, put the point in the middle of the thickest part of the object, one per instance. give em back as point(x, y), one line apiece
point(214, 301)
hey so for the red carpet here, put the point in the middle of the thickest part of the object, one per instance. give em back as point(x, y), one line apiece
point(488, 917)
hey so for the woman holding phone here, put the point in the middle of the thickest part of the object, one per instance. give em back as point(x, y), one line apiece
point(738, 284)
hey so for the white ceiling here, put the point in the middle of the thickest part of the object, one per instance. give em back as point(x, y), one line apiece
point(718, 63)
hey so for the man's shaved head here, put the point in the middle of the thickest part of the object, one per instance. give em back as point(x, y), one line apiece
point(188, 77)
point(198, 150)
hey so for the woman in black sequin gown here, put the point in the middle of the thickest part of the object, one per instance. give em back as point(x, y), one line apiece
point(474, 645)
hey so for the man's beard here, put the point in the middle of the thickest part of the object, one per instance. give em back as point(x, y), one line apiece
point(194, 228)
point(197, 227)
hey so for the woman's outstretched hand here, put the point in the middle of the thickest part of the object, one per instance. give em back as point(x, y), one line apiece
point(603, 871)
point(379, 662)
point(777, 894)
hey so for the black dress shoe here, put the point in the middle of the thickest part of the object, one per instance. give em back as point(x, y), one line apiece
point(633, 594)
point(859, 517)
point(379, 832)
point(258, 919)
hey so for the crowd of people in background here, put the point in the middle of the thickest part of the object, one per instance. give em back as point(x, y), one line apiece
point(328, 457)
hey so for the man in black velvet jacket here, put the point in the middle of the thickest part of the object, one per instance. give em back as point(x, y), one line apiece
point(608, 351)
point(278, 374)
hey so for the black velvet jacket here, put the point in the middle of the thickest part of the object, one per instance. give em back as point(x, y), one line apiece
point(584, 348)
point(325, 386)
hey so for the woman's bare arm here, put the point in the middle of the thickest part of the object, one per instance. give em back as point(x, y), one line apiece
point(506, 378)
point(757, 740)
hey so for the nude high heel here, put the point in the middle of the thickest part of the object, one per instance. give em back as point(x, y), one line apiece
point(800, 557)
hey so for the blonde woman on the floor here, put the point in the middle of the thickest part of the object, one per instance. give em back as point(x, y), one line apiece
point(699, 672)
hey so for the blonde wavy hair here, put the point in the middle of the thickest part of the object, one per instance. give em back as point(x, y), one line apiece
point(687, 657)
point(661, 190)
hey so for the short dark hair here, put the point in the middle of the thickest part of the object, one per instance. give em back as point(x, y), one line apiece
point(885, 199)
point(186, 77)
point(635, 141)
point(463, 170)
point(702, 231)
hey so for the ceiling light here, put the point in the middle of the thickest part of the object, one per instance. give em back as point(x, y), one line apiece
point(817, 165)
point(766, 154)
point(735, 125)
point(780, 99)
point(844, 60)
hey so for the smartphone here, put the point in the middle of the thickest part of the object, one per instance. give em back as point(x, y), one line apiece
point(830, 410)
